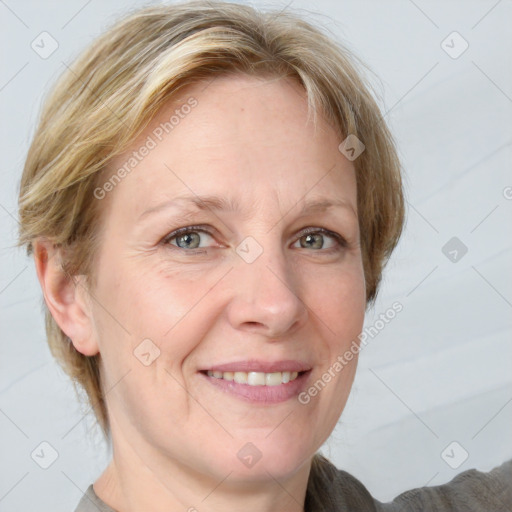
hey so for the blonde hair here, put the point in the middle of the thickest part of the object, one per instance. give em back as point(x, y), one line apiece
point(112, 91)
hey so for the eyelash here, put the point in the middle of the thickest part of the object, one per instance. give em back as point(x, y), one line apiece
point(342, 243)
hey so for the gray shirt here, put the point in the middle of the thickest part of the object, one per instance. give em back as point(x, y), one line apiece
point(470, 491)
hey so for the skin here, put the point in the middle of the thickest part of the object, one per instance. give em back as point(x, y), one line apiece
point(175, 436)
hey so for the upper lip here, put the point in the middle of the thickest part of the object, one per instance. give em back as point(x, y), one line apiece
point(261, 366)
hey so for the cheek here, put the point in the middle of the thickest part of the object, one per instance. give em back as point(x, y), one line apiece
point(147, 333)
point(340, 305)
point(344, 303)
point(150, 301)
point(175, 309)
point(339, 298)
point(348, 313)
point(166, 314)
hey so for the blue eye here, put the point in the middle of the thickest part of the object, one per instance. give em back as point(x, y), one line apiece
point(315, 238)
point(186, 238)
point(189, 238)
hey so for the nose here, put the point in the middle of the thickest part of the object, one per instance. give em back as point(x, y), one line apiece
point(267, 297)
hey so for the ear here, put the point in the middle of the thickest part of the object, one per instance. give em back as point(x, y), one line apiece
point(66, 297)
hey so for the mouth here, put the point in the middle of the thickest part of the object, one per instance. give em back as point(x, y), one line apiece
point(258, 387)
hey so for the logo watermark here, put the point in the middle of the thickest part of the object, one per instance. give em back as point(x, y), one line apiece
point(344, 359)
point(151, 142)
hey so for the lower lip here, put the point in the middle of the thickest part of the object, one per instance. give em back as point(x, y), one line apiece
point(261, 394)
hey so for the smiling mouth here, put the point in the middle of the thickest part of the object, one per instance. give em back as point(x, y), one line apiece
point(256, 378)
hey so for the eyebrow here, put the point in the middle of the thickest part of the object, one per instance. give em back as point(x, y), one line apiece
point(216, 203)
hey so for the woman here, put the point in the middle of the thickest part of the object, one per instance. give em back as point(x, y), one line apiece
point(210, 199)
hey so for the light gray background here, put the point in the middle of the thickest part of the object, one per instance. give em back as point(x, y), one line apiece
point(439, 372)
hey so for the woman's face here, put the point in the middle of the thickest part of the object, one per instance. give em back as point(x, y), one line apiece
point(254, 284)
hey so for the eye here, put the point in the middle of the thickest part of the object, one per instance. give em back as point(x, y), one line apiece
point(187, 238)
point(315, 238)
point(190, 238)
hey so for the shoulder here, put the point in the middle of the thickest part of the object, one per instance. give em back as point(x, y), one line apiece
point(332, 489)
point(471, 491)
point(90, 502)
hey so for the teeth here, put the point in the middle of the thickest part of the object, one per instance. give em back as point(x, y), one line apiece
point(239, 377)
point(255, 378)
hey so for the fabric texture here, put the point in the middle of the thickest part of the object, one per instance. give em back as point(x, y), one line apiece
point(470, 491)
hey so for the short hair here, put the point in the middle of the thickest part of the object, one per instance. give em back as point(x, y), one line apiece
point(113, 90)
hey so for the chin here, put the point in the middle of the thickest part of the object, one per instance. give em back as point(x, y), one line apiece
point(259, 460)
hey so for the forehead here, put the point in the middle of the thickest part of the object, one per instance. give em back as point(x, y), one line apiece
point(240, 136)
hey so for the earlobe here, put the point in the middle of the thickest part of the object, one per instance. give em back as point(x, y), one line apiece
point(66, 297)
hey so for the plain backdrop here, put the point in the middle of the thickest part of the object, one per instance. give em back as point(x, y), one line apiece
point(433, 392)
